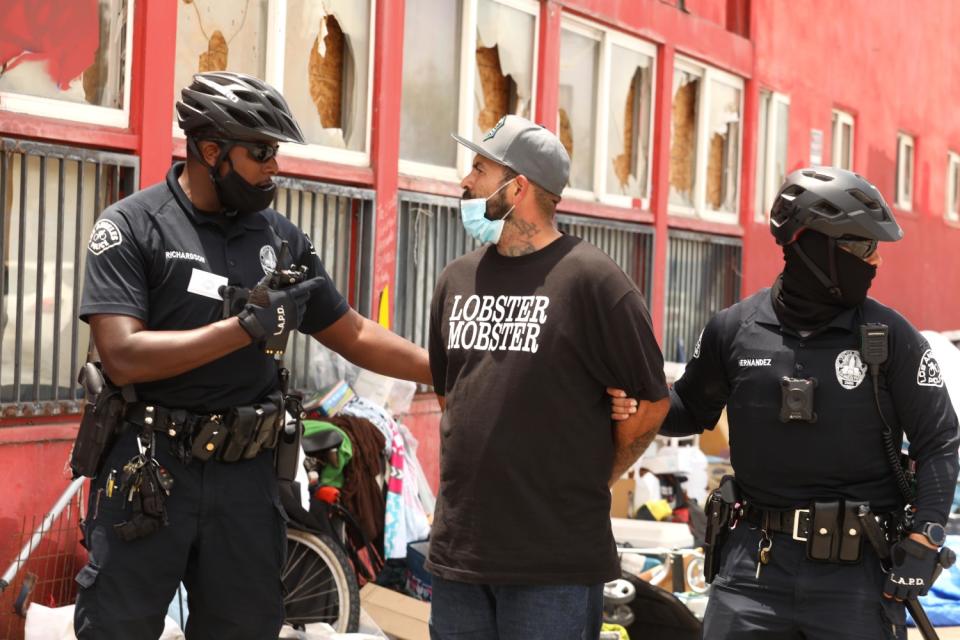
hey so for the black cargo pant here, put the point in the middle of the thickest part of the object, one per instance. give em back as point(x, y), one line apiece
point(226, 540)
point(795, 598)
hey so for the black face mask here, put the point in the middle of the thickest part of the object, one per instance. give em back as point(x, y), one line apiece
point(239, 196)
point(801, 300)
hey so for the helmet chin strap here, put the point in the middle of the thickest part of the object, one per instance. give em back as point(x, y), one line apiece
point(831, 283)
point(213, 169)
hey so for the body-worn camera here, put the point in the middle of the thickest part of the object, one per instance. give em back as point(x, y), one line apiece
point(796, 403)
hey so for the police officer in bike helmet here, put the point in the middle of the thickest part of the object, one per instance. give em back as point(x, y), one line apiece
point(820, 383)
point(188, 491)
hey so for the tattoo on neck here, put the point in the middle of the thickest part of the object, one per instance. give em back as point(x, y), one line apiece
point(519, 250)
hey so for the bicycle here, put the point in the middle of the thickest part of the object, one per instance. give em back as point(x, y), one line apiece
point(320, 574)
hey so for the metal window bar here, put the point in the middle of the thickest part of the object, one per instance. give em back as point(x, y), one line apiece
point(703, 276)
point(628, 244)
point(50, 197)
point(430, 235)
point(339, 222)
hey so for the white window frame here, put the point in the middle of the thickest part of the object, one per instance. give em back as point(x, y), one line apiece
point(707, 76)
point(767, 160)
point(466, 108)
point(273, 72)
point(78, 112)
point(953, 186)
point(839, 119)
point(601, 162)
point(904, 199)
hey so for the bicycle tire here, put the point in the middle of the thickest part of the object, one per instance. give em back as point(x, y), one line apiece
point(314, 562)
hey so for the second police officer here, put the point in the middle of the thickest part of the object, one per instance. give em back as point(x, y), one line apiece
point(812, 382)
point(156, 267)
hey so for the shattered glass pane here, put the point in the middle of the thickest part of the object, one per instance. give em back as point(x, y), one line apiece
point(629, 122)
point(220, 35)
point(579, 56)
point(65, 50)
point(326, 70)
point(683, 137)
point(504, 58)
point(723, 147)
point(431, 81)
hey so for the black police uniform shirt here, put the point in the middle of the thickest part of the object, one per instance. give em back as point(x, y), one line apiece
point(152, 256)
point(743, 354)
point(523, 348)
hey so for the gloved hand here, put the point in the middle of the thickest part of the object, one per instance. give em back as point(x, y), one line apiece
point(914, 569)
point(282, 314)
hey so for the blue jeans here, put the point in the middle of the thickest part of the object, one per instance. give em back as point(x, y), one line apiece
point(461, 611)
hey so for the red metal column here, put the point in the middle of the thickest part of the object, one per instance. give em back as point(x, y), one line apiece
point(385, 149)
point(548, 61)
point(151, 91)
point(748, 178)
point(663, 111)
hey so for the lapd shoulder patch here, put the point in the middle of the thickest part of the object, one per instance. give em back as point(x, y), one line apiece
point(105, 234)
point(929, 375)
point(850, 369)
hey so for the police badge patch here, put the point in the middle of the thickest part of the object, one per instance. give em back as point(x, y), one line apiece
point(929, 375)
point(850, 369)
point(105, 234)
point(268, 258)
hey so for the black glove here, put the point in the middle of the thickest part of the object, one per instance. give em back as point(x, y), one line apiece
point(914, 569)
point(282, 314)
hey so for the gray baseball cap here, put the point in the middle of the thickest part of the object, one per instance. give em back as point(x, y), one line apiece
point(528, 149)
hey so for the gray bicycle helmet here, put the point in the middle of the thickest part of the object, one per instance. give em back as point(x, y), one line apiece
point(835, 202)
point(236, 106)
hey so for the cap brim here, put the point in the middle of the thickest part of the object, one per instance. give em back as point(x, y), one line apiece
point(475, 148)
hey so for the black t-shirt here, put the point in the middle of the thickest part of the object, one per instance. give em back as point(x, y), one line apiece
point(739, 362)
point(154, 257)
point(523, 349)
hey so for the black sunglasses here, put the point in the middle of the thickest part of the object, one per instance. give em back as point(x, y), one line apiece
point(259, 151)
point(860, 247)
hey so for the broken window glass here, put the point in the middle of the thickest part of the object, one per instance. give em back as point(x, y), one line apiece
point(431, 81)
point(505, 58)
point(723, 147)
point(326, 70)
point(577, 124)
point(72, 51)
point(683, 137)
point(220, 35)
point(629, 122)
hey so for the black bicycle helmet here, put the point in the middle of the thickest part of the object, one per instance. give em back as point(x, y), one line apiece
point(236, 106)
point(835, 202)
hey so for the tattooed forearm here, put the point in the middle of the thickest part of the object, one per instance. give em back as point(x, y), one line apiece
point(626, 455)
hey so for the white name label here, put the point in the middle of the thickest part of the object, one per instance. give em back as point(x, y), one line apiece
point(204, 283)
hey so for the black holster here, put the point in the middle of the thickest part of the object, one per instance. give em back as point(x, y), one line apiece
point(101, 422)
point(287, 451)
point(720, 510)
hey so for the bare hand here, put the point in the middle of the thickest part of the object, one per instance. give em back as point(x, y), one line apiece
point(622, 407)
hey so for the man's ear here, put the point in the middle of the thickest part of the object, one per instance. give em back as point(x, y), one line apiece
point(209, 151)
point(521, 188)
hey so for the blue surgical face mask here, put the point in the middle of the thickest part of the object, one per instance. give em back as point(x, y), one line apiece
point(473, 215)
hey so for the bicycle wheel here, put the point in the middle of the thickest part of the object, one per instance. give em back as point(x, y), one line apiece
point(319, 583)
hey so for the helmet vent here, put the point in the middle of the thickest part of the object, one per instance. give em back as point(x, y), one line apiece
point(810, 173)
point(825, 209)
point(867, 201)
point(793, 190)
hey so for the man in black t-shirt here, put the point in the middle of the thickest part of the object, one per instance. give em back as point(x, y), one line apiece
point(526, 335)
point(158, 265)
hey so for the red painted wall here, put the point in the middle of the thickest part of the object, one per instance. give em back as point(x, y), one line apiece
point(895, 68)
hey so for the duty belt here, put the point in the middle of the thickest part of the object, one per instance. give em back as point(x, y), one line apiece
point(238, 433)
point(795, 522)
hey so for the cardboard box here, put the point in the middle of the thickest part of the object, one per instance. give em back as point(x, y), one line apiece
point(621, 498)
point(419, 582)
point(400, 616)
